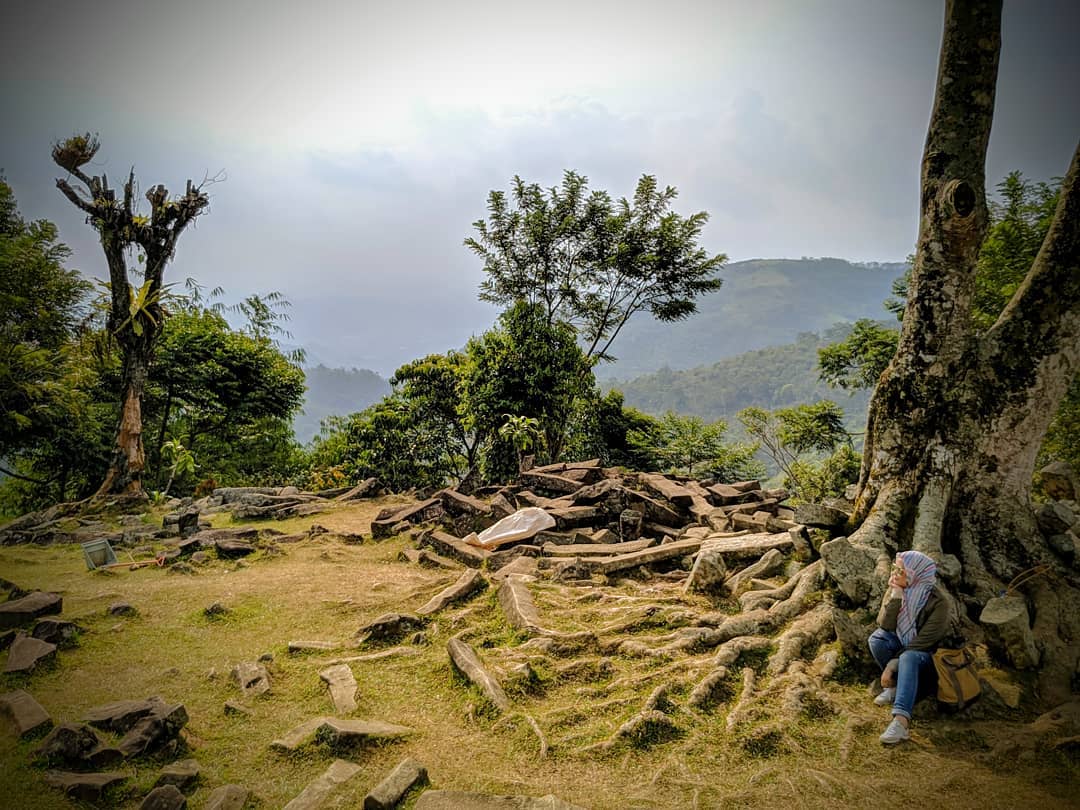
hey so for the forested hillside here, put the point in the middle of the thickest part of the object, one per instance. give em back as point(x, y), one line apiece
point(774, 377)
point(764, 302)
point(336, 392)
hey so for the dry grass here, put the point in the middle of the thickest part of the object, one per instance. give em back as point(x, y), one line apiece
point(324, 589)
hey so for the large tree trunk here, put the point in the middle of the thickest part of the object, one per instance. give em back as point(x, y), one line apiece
point(957, 419)
point(124, 476)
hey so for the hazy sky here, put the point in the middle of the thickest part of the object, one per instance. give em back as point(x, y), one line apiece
point(360, 139)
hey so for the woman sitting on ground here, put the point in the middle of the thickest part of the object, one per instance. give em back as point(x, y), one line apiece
point(913, 620)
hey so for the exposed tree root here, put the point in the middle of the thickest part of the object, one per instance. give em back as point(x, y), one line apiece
point(641, 729)
point(528, 718)
point(730, 651)
point(808, 630)
point(706, 689)
point(740, 711)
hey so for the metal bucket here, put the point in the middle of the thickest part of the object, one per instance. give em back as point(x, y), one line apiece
point(98, 553)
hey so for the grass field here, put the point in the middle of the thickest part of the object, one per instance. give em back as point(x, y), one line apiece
point(324, 589)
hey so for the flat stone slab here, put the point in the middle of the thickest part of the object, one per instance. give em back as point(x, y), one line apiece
point(341, 682)
point(623, 562)
point(27, 652)
point(166, 797)
point(465, 661)
point(750, 545)
point(20, 612)
point(87, 787)
point(227, 797)
point(669, 490)
point(121, 715)
point(338, 731)
point(182, 774)
point(598, 549)
point(155, 730)
point(468, 583)
point(316, 793)
point(390, 791)
point(389, 627)
point(25, 714)
point(466, 800)
point(457, 549)
point(517, 603)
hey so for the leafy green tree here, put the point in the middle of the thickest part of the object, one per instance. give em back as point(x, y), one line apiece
point(525, 366)
point(433, 388)
point(677, 444)
point(590, 261)
point(789, 434)
point(858, 361)
point(136, 315)
point(41, 307)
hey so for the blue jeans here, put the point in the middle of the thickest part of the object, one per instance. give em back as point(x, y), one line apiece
point(915, 666)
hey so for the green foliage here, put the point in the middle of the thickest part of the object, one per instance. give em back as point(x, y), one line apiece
point(181, 462)
point(592, 262)
point(789, 434)
point(601, 428)
point(527, 367)
point(41, 307)
point(677, 444)
point(858, 361)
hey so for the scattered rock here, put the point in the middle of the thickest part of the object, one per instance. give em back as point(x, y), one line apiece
point(27, 652)
point(338, 732)
point(227, 797)
point(390, 791)
point(120, 716)
point(25, 715)
point(215, 611)
point(85, 787)
point(233, 547)
point(852, 567)
point(155, 730)
point(464, 800)
point(56, 631)
point(820, 516)
point(389, 627)
point(297, 647)
point(166, 797)
point(237, 709)
point(318, 791)
point(122, 609)
point(252, 678)
point(517, 604)
point(183, 774)
point(188, 522)
point(1009, 628)
point(708, 573)
point(1054, 518)
point(68, 743)
point(1059, 481)
point(465, 661)
point(468, 583)
point(340, 681)
point(19, 612)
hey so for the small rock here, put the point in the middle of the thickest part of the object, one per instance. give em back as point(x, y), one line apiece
point(180, 568)
point(123, 609)
point(389, 627)
point(200, 558)
point(69, 743)
point(316, 793)
point(19, 612)
point(1059, 481)
point(85, 787)
point(166, 797)
point(56, 631)
point(183, 774)
point(465, 800)
point(26, 653)
point(25, 714)
point(253, 678)
point(227, 797)
point(215, 610)
point(188, 522)
point(1054, 518)
point(237, 709)
point(266, 658)
point(390, 791)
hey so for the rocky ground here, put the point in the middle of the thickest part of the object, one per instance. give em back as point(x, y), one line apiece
point(362, 649)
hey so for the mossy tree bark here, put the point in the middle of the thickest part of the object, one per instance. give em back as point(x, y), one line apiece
point(135, 315)
point(958, 416)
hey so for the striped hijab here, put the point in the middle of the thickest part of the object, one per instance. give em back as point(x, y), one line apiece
point(921, 575)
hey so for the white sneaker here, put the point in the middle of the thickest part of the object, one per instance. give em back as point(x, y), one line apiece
point(895, 733)
point(886, 698)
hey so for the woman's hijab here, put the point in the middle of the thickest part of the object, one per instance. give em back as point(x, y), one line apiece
point(921, 576)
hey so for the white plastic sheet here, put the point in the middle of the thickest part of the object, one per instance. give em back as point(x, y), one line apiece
point(521, 525)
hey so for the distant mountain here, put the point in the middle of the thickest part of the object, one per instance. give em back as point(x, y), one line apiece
point(336, 392)
point(770, 378)
point(764, 302)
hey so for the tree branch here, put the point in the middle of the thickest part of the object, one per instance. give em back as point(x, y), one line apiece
point(78, 201)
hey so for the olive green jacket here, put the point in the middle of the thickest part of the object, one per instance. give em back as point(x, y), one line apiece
point(931, 625)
